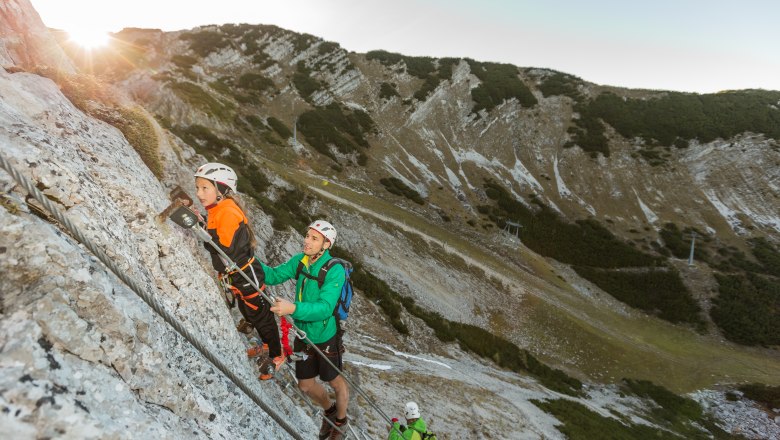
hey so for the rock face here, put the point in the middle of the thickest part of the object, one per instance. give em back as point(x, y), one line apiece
point(25, 41)
point(82, 356)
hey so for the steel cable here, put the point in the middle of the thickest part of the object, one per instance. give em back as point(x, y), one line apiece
point(145, 296)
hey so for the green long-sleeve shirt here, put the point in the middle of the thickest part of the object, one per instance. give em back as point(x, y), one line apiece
point(412, 432)
point(314, 306)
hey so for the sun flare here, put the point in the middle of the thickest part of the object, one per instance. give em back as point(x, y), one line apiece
point(89, 38)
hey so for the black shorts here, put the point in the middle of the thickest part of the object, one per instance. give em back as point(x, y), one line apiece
point(314, 365)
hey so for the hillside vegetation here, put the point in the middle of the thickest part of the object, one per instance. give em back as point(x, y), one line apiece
point(673, 119)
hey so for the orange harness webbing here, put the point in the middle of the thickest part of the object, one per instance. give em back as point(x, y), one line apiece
point(251, 260)
point(244, 297)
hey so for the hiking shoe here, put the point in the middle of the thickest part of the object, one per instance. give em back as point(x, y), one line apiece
point(257, 351)
point(341, 432)
point(244, 326)
point(269, 367)
point(326, 428)
point(279, 361)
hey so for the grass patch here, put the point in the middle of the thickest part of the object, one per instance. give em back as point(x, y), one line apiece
point(94, 99)
point(199, 98)
point(139, 132)
point(83, 91)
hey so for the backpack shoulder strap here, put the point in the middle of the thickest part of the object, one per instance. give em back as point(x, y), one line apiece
point(299, 271)
point(325, 268)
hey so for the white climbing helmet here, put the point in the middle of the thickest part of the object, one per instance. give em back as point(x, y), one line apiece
point(412, 411)
point(326, 229)
point(217, 172)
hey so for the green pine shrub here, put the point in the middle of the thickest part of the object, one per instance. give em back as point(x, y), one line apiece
point(303, 41)
point(255, 82)
point(674, 118)
point(767, 255)
point(747, 308)
point(387, 91)
point(679, 242)
point(279, 127)
point(220, 86)
point(303, 81)
point(499, 82)
point(581, 423)
point(184, 61)
point(335, 125)
point(584, 242)
point(205, 42)
point(597, 255)
point(432, 72)
point(561, 84)
point(327, 47)
point(678, 414)
point(659, 292)
point(257, 180)
point(395, 186)
point(287, 211)
point(767, 396)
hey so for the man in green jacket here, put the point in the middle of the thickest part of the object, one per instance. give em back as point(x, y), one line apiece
point(415, 425)
point(312, 312)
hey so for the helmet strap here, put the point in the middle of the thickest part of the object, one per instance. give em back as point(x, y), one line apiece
point(319, 253)
point(222, 190)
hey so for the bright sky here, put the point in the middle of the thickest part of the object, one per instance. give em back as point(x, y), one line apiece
point(688, 45)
